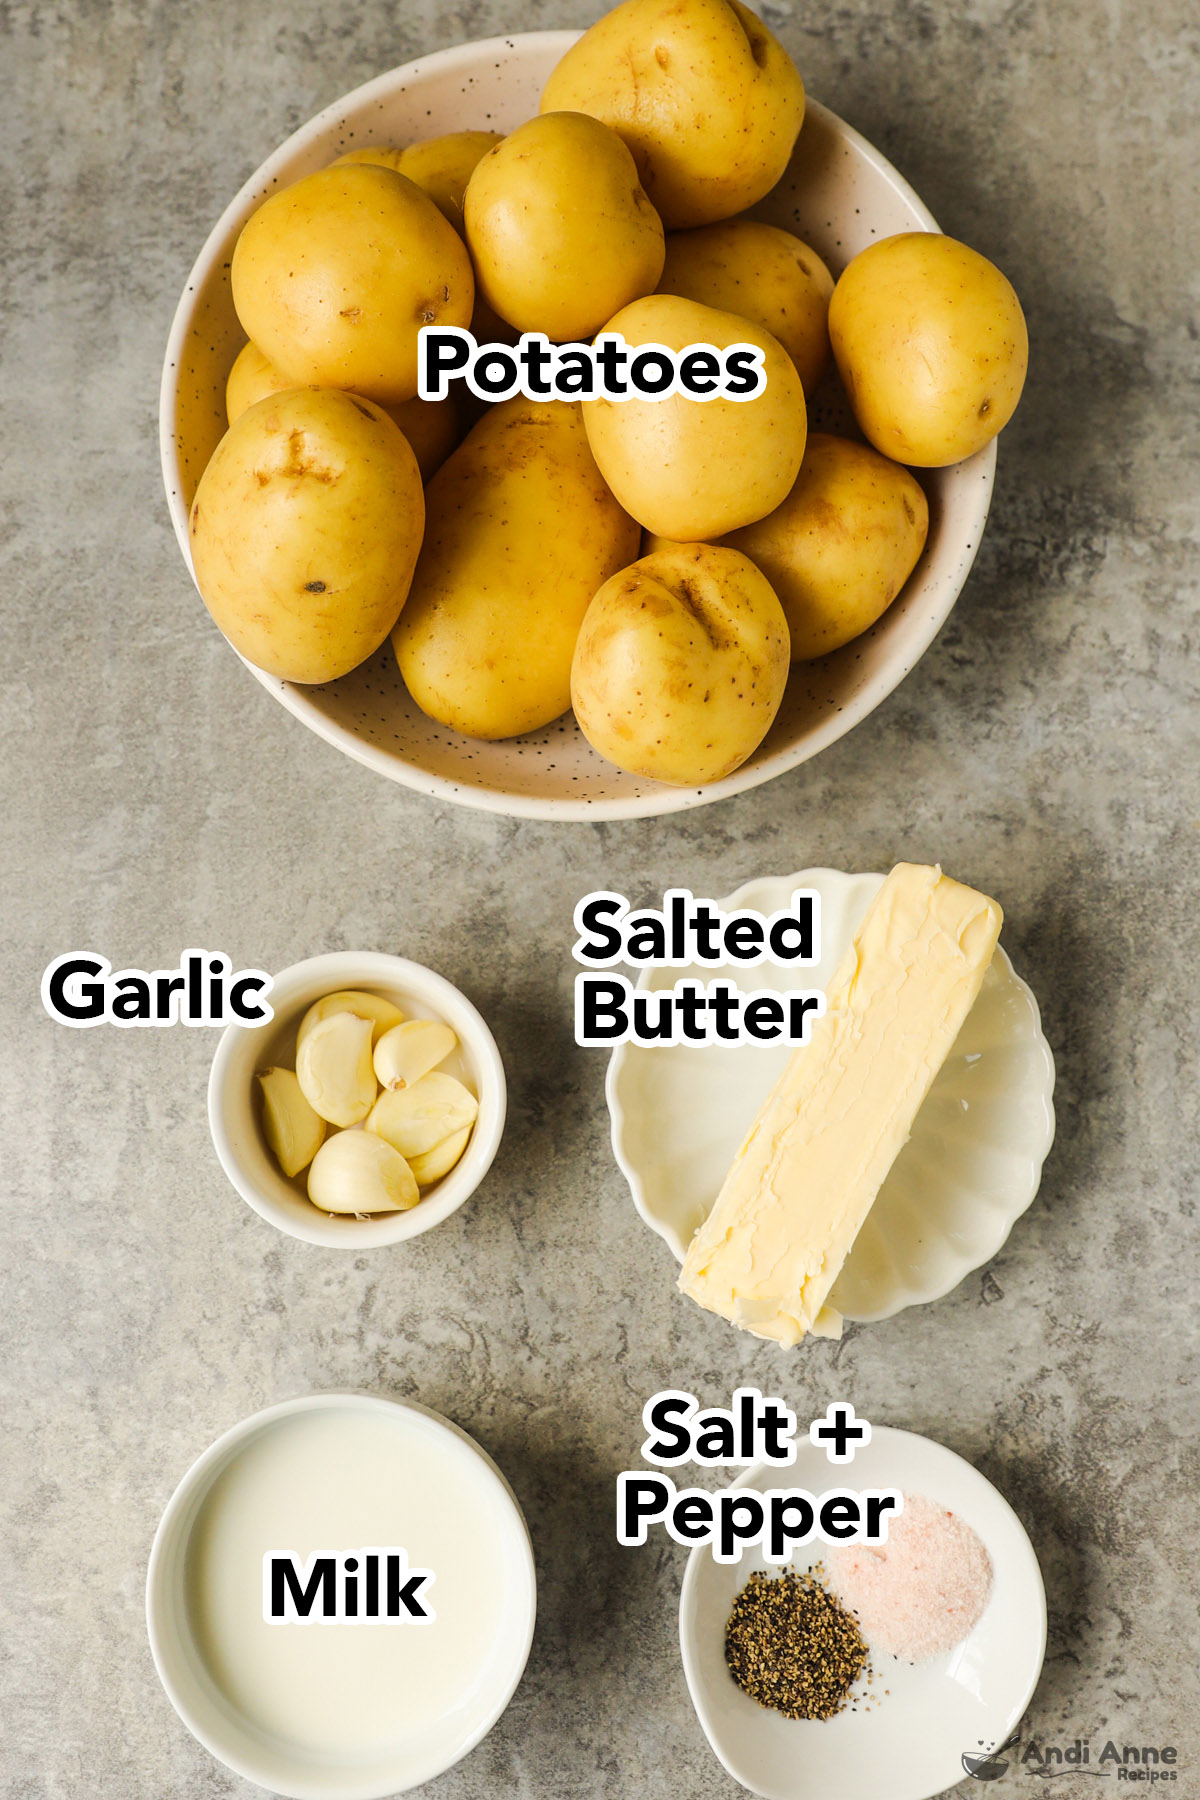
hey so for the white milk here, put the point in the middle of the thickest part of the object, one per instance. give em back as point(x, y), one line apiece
point(336, 1480)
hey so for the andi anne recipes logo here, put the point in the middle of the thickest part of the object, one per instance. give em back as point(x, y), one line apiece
point(1144, 1763)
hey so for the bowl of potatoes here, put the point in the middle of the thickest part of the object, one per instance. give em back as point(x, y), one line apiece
point(585, 607)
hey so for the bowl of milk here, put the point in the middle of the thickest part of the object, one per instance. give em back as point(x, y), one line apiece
point(341, 1597)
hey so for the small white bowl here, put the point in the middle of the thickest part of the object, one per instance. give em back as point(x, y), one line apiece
point(233, 1103)
point(839, 194)
point(910, 1745)
point(969, 1170)
point(194, 1685)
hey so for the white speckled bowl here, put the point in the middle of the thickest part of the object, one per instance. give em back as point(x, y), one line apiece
point(233, 1102)
point(969, 1170)
point(838, 194)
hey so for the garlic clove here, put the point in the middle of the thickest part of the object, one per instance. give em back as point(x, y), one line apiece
point(292, 1128)
point(441, 1159)
point(382, 1014)
point(407, 1052)
point(416, 1119)
point(333, 1067)
point(357, 1172)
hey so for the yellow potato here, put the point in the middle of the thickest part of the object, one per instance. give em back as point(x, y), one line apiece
point(334, 276)
point(305, 530)
point(431, 426)
point(842, 545)
point(560, 231)
point(707, 99)
point(763, 274)
point(521, 533)
point(681, 664)
point(440, 166)
point(931, 345)
point(252, 377)
point(692, 469)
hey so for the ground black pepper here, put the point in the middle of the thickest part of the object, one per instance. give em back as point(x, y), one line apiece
point(790, 1646)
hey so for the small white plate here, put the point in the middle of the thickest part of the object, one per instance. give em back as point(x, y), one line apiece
point(193, 1675)
point(969, 1170)
point(911, 1743)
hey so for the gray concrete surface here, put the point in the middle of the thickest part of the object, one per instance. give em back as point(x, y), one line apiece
point(157, 798)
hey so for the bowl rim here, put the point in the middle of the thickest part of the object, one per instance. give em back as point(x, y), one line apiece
point(325, 974)
point(188, 1493)
point(662, 798)
point(897, 1439)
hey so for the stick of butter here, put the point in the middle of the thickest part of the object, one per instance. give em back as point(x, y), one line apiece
point(820, 1149)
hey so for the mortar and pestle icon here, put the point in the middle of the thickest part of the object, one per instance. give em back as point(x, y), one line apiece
point(987, 1767)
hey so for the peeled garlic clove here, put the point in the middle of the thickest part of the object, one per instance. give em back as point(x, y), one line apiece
point(411, 1050)
point(441, 1159)
point(292, 1129)
point(415, 1119)
point(333, 1067)
point(382, 1014)
point(356, 1172)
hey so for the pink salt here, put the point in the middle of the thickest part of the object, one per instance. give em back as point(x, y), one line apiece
point(922, 1592)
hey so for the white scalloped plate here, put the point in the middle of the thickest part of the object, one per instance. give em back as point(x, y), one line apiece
point(970, 1169)
point(839, 194)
